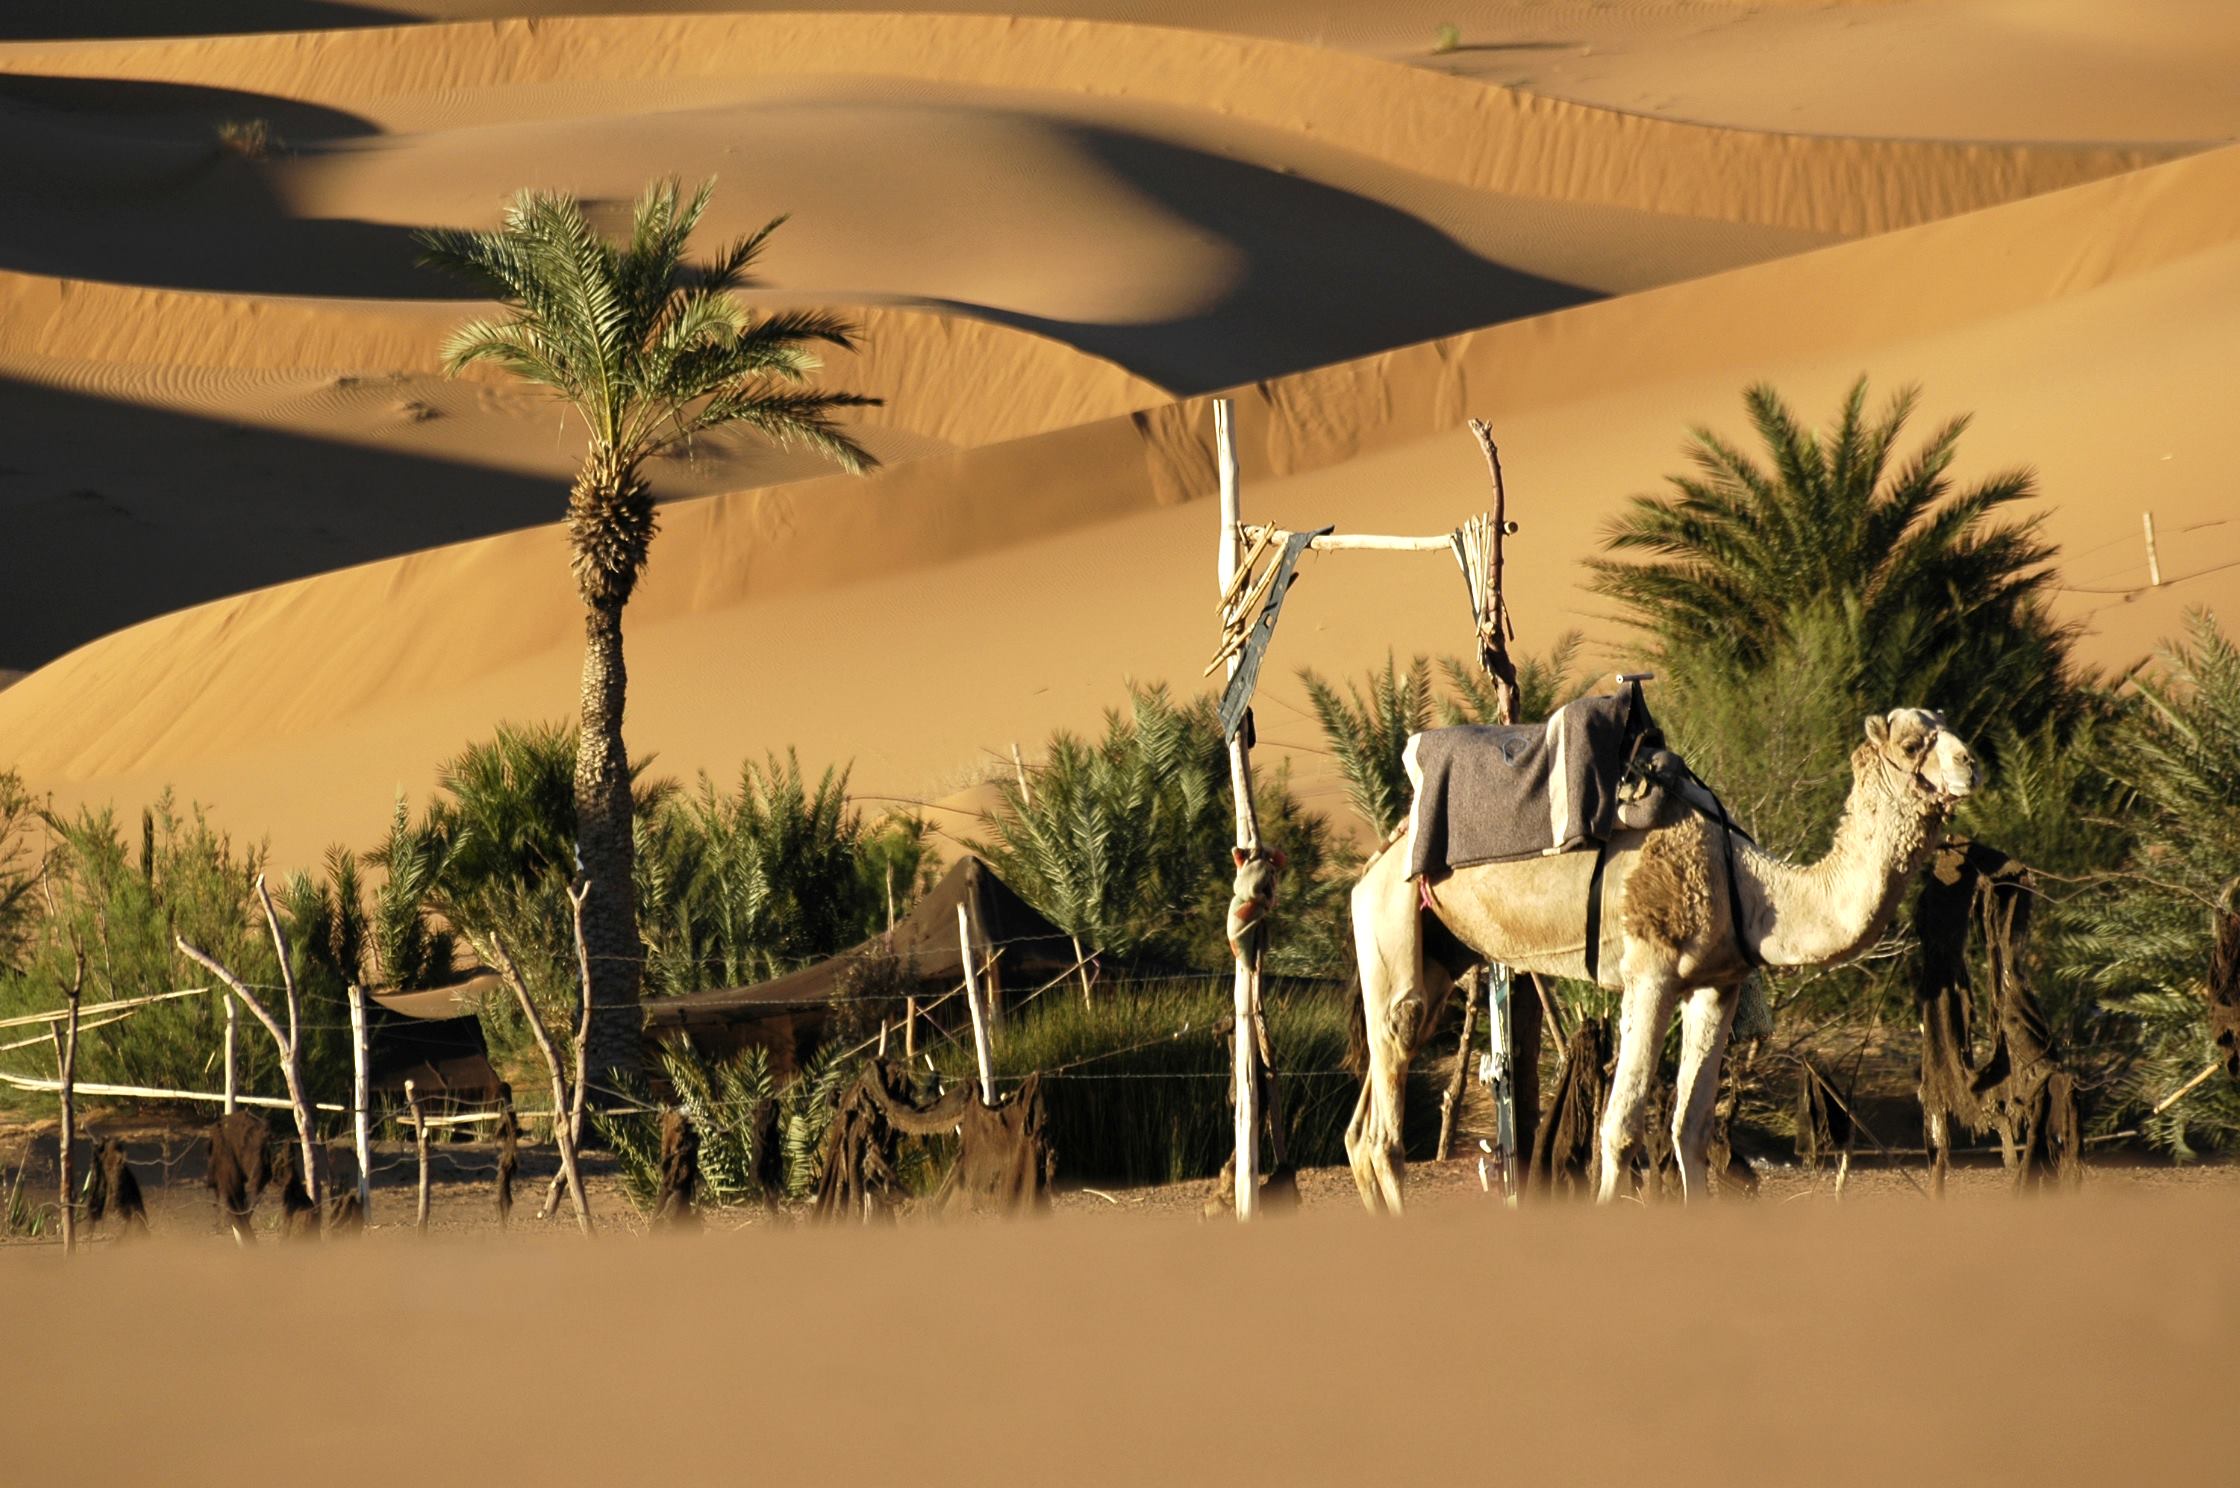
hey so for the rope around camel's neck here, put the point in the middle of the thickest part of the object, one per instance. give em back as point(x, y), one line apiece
point(1819, 913)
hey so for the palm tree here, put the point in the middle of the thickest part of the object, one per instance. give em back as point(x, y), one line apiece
point(1369, 733)
point(650, 351)
point(1932, 598)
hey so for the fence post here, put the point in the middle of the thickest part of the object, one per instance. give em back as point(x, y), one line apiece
point(420, 1143)
point(66, 1062)
point(979, 1014)
point(361, 1096)
point(1247, 999)
point(1450, 1105)
point(233, 1090)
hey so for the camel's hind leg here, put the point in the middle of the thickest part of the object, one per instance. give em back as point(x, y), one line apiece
point(1388, 943)
point(1705, 1021)
point(1651, 991)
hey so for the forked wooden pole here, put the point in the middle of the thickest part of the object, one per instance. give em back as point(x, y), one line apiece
point(562, 1134)
point(361, 1097)
point(420, 1146)
point(233, 1046)
point(1247, 988)
point(66, 1065)
point(979, 1014)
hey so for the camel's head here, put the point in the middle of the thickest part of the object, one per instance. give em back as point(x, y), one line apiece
point(1914, 743)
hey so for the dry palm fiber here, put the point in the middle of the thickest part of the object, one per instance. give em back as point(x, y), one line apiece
point(680, 1172)
point(299, 1217)
point(509, 1152)
point(1823, 1124)
point(238, 1169)
point(2019, 1090)
point(1563, 1149)
point(111, 1188)
point(1003, 1163)
point(2224, 980)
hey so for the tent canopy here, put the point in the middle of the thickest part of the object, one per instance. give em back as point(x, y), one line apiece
point(1032, 949)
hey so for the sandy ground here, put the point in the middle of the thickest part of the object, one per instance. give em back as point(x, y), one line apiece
point(2063, 1340)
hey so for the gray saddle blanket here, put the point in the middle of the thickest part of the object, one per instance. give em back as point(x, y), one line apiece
point(1485, 793)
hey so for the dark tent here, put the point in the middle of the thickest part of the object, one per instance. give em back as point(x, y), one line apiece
point(788, 1013)
point(433, 1039)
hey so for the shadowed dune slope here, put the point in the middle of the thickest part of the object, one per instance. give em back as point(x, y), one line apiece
point(2091, 329)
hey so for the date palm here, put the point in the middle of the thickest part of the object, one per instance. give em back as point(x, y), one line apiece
point(1936, 599)
point(649, 350)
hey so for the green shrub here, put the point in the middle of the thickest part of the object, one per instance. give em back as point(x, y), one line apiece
point(722, 1100)
point(2141, 935)
point(1137, 1080)
point(1124, 840)
point(190, 881)
point(1446, 39)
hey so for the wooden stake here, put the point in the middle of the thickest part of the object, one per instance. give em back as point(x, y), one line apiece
point(361, 1097)
point(1450, 1104)
point(420, 1145)
point(233, 1044)
point(291, 1066)
point(979, 1014)
point(66, 1064)
point(578, 895)
point(562, 1135)
point(2154, 564)
point(1247, 985)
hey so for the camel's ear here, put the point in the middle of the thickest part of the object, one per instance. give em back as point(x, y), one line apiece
point(1239, 855)
point(1878, 731)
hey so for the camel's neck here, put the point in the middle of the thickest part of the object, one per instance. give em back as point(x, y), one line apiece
point(1812, 915)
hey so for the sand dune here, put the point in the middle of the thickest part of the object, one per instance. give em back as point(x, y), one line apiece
point(1052, 225)
point(2062, 318)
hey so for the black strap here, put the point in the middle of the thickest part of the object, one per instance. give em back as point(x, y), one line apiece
point(1594, 913)
point(1750, 956)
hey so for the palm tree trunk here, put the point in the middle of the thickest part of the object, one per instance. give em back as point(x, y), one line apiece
point(606, 850)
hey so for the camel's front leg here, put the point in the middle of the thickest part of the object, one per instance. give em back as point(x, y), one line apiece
point(1649, 997)
point(1705, 1021)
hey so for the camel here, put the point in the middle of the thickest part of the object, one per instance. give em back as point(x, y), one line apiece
point(1668, 936)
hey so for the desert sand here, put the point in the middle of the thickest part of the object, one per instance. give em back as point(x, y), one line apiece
point(1863, 1343)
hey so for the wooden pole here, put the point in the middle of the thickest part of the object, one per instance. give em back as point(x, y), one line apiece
point(578, 895)
point(1247, 984)
point(233, 1046)
point(291, 1068)
point(291, 1054)
point(563, 1135)
point(159, 1092)
point(1450, 1104)
point(66, 1064)
point(979, 1014)
point(2154, 563)
point(361, 1097)
point(420, 1145)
